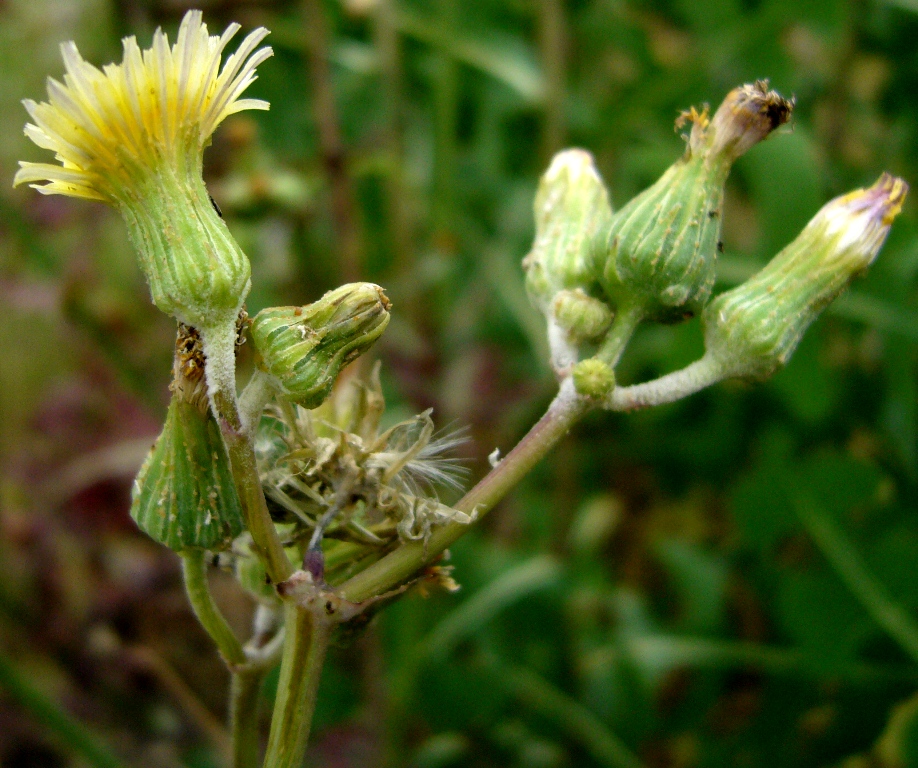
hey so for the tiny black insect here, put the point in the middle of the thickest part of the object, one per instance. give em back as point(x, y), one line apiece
point(216, 207)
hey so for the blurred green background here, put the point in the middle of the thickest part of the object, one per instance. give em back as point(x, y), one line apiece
point(727, 581)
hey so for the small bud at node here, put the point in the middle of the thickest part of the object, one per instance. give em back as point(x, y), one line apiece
point(593, 378)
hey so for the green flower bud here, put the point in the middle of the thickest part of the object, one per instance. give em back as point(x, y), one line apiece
point(304, 348)
point(752, 331)
point(184, 496)
point(581, 316)
point(593, 378)
point(661, 247)
point(571, 206)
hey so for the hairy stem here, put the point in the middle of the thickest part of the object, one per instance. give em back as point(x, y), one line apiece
point(194, 569)
point(220, 367)
point(565, 410)
point(256, 395)
point(667, 389)
point(301, 670)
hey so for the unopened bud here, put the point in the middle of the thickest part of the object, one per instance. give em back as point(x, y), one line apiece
point(184, 496)
point(581, 316)
point(304, 348)
point(571, 206)
point(593, 378)
point(752, 331)
point(747, 115)
point(662, 246)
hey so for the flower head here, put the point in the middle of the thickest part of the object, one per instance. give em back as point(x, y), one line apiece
point(753, 330)
point(159, 105)
point(133, 135)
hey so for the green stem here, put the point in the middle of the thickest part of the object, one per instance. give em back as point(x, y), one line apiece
point(565, 410)
point(194, 569)
point(301, 670)
point(71, 734)
point(627, 319)
point(220, 366)
point(244, 697)
point(398, 566)
point(307, 639)
point(669, 388)
point(256, 395)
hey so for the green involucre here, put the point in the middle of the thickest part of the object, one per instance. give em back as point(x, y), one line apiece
point(184, 495)
point(571, 207)
point(660, 249)
point(196, 271)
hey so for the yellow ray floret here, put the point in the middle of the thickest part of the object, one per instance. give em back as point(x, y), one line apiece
point(160, 105)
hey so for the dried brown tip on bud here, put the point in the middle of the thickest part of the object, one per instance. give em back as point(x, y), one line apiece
point(747, 115)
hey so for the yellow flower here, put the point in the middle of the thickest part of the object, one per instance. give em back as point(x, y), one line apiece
point(133, 135)
point(160, 105)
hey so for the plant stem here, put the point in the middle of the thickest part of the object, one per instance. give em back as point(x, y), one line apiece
point(256, 395)
point(301, 670)
point(307, 638)
point(220, 366)
point(627, 319)
point(667, 389)
point(564, 411)
point(71, 734)
point(194, 569)
point(244, 697)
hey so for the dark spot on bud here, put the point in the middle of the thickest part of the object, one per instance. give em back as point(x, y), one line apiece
point(713, 213)
point(720, 246)
point(329, 608)
point(216, 207)
point(778, 111)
